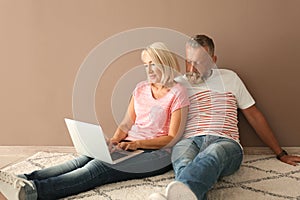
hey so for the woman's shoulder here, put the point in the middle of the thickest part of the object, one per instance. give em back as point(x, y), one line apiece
point(178, 87)
point(179, 90)
point(142, 84)
point(141, 87)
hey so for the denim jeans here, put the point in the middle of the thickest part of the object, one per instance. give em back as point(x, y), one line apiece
point(84, 173)
point(200, 161)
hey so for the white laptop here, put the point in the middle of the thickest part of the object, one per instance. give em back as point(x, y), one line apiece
point(89, 140)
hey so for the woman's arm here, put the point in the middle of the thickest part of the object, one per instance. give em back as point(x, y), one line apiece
point(126, 123)
point(177, 125)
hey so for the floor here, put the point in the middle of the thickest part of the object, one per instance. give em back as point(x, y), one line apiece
point(11, 155)
point(10, 159)
point(14, 154)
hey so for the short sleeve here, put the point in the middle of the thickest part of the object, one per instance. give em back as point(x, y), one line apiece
point(244, 98)
point(181, 98)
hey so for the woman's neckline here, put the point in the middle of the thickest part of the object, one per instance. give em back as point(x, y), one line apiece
point(159, 91)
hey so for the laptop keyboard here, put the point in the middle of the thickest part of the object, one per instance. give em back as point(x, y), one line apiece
point(117, 154)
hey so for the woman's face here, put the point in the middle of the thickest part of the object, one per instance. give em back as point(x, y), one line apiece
point(154, 74)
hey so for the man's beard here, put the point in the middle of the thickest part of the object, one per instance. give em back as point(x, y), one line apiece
point(194, 78)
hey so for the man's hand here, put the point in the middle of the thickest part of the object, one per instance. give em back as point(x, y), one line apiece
point(289, 159)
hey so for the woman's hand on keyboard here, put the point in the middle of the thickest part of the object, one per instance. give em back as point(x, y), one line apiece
point(112, 145)
point(132, 145)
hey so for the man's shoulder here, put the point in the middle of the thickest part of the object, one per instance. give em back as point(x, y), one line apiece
point(228, 76)
point(227, 72)
point(182, 80)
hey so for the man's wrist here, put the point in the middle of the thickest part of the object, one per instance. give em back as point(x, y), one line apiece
point(281, 154)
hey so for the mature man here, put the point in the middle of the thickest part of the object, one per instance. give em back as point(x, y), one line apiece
point(210, 147)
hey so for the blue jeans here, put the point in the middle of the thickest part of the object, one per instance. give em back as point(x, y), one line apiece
point(84, 173)
point(200, 161)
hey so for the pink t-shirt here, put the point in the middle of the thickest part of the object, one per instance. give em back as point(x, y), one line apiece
point(153, 115)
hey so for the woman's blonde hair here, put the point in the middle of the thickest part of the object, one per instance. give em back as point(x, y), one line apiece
point(164, 60)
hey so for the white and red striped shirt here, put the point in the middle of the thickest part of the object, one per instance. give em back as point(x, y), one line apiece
point(214, 104)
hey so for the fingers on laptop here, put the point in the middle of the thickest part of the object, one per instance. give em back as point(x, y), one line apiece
point(128, 145)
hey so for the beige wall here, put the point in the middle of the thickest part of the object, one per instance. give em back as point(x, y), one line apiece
point(44, 42)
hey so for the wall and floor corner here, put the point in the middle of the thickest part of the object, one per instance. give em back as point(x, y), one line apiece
point(43, 44)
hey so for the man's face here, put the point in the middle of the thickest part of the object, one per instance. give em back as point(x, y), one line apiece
point(198, 63)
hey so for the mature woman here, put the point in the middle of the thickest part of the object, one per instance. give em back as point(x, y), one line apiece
point(154, 121)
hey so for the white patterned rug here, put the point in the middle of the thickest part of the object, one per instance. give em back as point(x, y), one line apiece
point(261, 177)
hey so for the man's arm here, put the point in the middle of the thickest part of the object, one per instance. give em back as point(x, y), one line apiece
point(257, 120)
